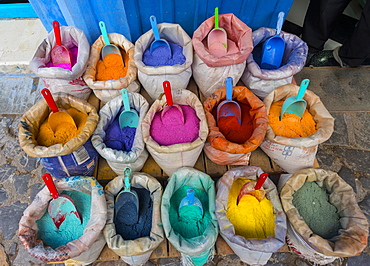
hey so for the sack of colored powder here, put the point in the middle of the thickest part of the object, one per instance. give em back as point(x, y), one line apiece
point(352, 237)
point(210, 71)
point(58, 79)
point(136, 251)
point(263, 81)
point(119, 159)
point(152, 77)
point(194, 240)
point(106, 90)
point(77, 156)
point(250, 250)
point(222, 151)
point(83, 250)
point(293, 154)
point(172, 157)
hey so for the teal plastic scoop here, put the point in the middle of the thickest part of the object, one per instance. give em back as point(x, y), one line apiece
point(295, 104)
point(128, 117)
point(190, 199)
point(108, 48)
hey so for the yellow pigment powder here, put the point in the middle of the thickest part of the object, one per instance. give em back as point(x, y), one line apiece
point(251, 218)
point(291, 125)
point(64, 132)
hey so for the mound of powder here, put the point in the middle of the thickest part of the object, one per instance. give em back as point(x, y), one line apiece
point(112, 67)
point(159, 56)
point(117, 138)
point(71, 228)
point(144, 224)
point(291, 125)
point(74, 54)
point(170, 130)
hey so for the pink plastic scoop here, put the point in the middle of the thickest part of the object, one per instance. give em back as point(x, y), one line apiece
point(169, 105)
point(253, 188)
point(60, 54)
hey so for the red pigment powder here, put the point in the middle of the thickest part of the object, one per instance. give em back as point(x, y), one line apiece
point(230, 127)
point(170, 130)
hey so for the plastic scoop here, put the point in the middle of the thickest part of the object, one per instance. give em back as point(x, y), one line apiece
point(108, 48)
point(60, 54)
point(127, 201)
point(253, 188)
point(57, 116)
point(169, 105)
point(273, 48)
point(61, 205)
point(129, 117)
point(217, 38)
point(295, 104)
point(229, 107)
point(190, 199)
point(158, 42)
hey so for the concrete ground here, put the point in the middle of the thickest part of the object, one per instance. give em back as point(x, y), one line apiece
point(345, 93)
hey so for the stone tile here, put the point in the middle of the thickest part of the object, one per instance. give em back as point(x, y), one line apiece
point(21, 183)
point(3, 196)
point(35, 189)
point(348, 176)
point(6, 171)
point(340, 134)
point(360, 127)
point(365, 181)
point(10, 216)
point(11, 148)
point(365, 206)
point(361, 260)
point(327, 160)
point(29, 163)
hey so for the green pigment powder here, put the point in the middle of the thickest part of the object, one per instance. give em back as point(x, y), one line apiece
point(312, 203)
point(190, 224)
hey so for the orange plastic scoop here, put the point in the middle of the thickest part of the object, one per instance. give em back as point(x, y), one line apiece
point(253, 188)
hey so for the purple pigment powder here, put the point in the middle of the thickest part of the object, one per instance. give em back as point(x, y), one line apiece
point(74, 53)
point(159, 56)
point(170, 130)
point(117, 138)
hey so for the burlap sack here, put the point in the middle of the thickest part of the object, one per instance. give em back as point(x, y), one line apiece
point(262, 81)
point(251, 251)
point(138, 251)
point(82, 251)
point(117, 159)
point(218, 149)
point(209, 71)
point(109, 89)
point(172, 157)
point(29, 130)
point(352, 238)
point(293, 154)
point(178, 75)
point(58, 79)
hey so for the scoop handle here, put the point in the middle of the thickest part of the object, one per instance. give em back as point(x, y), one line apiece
point(229, 89)
point(216, 18)
point(153, 23)
point(190, 196)
point(50, 185)
point(127, 176)
point(262, 178)
point(125, 100)
point(49, 100)
point(56, 27)
point(168, 92)
point(104, 32)
point(280, 23)
point(302, 89)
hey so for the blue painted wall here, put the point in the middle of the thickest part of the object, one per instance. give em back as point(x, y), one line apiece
point(131, 17)
point(21, 10)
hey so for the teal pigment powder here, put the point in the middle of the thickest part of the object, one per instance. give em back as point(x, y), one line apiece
point(312, 203)
point(190, 224)
point(71, 228)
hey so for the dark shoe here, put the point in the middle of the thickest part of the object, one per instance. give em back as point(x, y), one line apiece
point(308, 59)
point(323, 58)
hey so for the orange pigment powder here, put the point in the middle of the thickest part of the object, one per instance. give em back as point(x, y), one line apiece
point(291, 125)
point(64, 132)
point(112, 67)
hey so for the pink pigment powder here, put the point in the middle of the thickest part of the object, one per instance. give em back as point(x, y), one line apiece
point(170, 130)
point(74, 53)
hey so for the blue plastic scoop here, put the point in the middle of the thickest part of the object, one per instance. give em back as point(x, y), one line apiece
point(158, 42)
point(295, 104)
point(190, 199)
point(229, 107)
point(273, 48)
point(128, 117)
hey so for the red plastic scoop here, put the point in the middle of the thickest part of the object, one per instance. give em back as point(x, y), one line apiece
point(253, 188)
point(61, 205)
point(60, 54)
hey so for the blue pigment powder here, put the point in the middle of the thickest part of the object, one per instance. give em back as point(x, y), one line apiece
point(117, 138)
point(159, 56)
point(144, 224)
point(71, 228)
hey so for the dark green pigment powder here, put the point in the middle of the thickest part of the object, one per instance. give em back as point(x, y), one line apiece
point(189, 225)
point(312, 203)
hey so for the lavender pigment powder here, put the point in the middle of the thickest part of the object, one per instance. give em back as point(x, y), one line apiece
point(117, 138)
point(159, 56)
